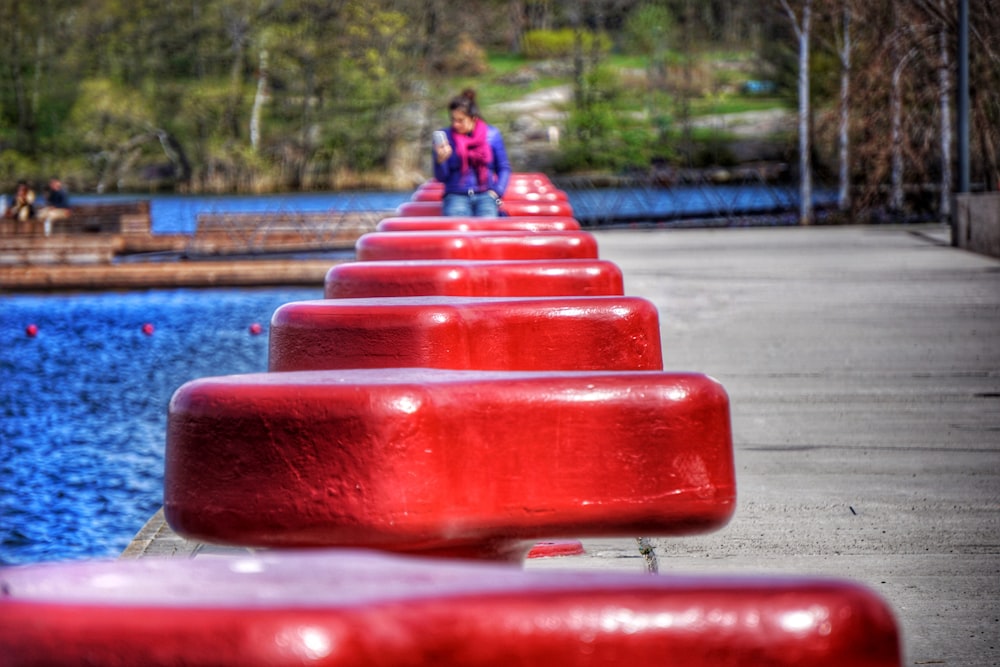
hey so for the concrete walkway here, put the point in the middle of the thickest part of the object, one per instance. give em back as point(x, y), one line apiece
point(863, 365)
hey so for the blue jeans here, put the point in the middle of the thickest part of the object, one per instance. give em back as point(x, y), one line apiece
point(476, 205)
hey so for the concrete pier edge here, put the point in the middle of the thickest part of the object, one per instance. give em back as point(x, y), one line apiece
point(863, 366)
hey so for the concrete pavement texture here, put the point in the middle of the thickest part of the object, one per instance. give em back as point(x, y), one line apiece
point(863, 368)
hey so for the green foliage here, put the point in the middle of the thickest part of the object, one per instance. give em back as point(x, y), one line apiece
point(105, 89)
point(599, 141)
point(602, 135)
point(722, 104)
point(542, 44)
point(15, 165)
point(648, 30)
point(106, 114)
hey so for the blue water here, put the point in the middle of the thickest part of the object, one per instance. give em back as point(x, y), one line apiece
point(177, 214)
point(83, 406)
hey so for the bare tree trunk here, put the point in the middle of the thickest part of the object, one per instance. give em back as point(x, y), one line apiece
point(687, 86)
point(515, 12)
point(258, 102)
point(36, 87)
point(802, 31)
point(944, 77)
point(238, 29)
point(896, 104)
point(844, 196)
point(16, 71)
point(579, 73)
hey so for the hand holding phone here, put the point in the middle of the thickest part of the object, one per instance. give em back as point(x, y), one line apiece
point(442, 149)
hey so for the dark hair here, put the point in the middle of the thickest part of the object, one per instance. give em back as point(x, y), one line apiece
point(466, 102)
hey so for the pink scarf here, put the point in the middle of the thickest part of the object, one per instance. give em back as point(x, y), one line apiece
point(474, 151)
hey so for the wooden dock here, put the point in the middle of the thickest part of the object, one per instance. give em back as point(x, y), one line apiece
point(147, 275)
point(111, 246)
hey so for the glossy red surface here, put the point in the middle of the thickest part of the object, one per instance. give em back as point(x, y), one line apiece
point(527, 191)
point(556, 277)
point(531, 206)
point(528, 223)
point(353, 608)
point(469, 463)
point(515, 206)
point(519, 179)
point(556, 549)
point(518, 190)
point(475, 245)
point(467, 333)
point(420, 208)
point(532, 179)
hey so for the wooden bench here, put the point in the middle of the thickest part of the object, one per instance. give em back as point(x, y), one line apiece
point(130, 217)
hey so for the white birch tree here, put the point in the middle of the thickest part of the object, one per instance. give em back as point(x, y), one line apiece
point(944, 80)
point(802, 25)
point(260, 97)
point(896, 103)
point(844, 47)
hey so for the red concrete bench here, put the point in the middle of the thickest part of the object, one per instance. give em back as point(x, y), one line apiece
point(513, 207)
point(514, 193)
point(476, 464)
point(350, 608)
point(551, 333)
point(419, 208)
point(527, 191)
point(510, 245)
point(557, 277)
point(528, 223)
point(532, 207)
point(519, 183)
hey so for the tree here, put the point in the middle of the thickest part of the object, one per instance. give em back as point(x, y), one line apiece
point(802, 25)
point(119, 128)
point(32, 84)
point(844, 47)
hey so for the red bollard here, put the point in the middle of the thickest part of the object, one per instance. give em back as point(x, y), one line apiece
point(528, 223)
point(549, 192)
point(555, 549)
point(553, 333)
point(529, 179)
point(475, 245)
point(513, 207)
point(474, 464)
point(346, 608)
point(419, 208)
point(433, 191)
point(516, 190)
point(557, 277)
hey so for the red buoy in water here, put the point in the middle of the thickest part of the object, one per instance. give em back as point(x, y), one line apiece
point(31, 330)
point(147, 329)
point(255, 329)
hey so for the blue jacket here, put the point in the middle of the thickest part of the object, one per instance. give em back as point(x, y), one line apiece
point(450, 171)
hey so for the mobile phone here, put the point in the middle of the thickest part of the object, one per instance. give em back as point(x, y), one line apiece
point(439, 137)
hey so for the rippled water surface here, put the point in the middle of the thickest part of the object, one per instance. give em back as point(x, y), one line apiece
point(83, 406)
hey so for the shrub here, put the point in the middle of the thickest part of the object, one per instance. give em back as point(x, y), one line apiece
point(542, 44)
